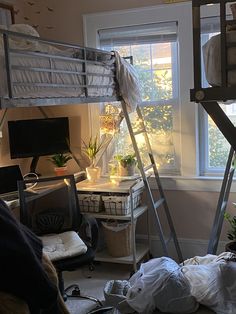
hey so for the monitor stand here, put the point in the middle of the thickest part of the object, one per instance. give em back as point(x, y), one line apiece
point(33, 166)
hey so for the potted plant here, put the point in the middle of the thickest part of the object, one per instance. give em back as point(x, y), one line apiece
point(60, 160)
point(231, 234)
point(126, 164)
point(91, 150)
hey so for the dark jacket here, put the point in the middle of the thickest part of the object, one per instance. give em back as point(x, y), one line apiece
point(21, 271)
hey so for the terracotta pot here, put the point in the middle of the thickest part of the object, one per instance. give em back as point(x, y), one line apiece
point(60, 171)
point(231, 247)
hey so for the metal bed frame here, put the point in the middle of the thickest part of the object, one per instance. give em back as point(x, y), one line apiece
point(11, 100)
point(209, 98)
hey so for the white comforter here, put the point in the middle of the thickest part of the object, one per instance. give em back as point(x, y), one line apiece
point(171, 288)
point(28, 76)
point(213, 281)
point(212, 59)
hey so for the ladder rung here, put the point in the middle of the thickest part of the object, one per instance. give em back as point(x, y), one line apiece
point(159, 202)
point(140, 132)
point(148, 167)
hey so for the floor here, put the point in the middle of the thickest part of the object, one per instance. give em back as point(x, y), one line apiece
point(92, 283)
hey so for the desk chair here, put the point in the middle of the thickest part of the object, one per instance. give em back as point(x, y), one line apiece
point(51, 211)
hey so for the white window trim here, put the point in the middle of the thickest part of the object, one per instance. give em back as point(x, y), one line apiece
point(182, 13)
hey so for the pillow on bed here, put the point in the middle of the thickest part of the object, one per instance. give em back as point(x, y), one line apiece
point(24, 29)
point(22, 43)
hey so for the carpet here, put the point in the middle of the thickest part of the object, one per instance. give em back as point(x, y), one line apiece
point(92, 283)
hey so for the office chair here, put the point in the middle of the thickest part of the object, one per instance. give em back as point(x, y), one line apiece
point(49, 207)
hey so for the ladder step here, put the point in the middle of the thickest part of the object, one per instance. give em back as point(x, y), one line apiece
point(159, 203)
point(140, 132)
point(148, 167)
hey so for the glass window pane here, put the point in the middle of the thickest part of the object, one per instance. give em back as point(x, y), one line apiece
point(218, 145)
point(142, 56)
point(162, 87)
point(161, 56)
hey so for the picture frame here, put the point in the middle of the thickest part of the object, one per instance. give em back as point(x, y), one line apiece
point(6, 14)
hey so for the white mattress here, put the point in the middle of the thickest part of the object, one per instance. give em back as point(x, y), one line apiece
point(212, 59)
point(28, 76)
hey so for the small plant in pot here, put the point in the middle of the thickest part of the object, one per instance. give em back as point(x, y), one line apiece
point(91, 150)
point(231, 234)
point(60, 161)
point(126, 164)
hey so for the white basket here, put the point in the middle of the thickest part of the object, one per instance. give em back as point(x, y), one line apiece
point(90, 203)
point(121, 204)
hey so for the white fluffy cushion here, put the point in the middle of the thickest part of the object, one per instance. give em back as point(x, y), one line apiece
point(63, 245)
point(22, 43)
point(24, 29)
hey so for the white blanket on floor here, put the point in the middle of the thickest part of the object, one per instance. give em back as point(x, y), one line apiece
point(213, 281)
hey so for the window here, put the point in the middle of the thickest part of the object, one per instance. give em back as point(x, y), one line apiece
point(154, 52)
point(214, 146)
point(184, 124)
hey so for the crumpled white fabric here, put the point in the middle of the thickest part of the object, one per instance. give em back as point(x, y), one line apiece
point(212, 280)
point(128, 83)
point(160, 284)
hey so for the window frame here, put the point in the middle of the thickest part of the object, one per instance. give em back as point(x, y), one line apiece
point(191, 177)
point(182, 14)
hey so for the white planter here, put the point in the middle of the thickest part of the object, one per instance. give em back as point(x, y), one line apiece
point(93, 173)
point(126, 171)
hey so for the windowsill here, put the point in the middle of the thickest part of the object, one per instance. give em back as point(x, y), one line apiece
point(202, 184)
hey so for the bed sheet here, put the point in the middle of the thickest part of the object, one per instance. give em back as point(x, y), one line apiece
point(41, 77)
point(212, 59)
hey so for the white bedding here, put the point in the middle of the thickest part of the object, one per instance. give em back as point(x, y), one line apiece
point(28, 76)
point(212, 59)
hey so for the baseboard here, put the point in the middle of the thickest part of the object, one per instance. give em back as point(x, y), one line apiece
point(189, 247)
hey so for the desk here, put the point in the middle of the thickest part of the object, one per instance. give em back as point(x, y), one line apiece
point(104, 187)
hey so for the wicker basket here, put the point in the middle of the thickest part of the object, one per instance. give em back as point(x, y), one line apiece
point(90, 202)
point(120, 204)
point(118, 238)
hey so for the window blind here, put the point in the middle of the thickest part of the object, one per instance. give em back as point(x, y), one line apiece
point(138, 34)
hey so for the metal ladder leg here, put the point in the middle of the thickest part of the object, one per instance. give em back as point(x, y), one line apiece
point(221, 205)
point(154, 204)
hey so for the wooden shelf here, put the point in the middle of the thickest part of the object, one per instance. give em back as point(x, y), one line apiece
point(141, 251)
point(102, 215)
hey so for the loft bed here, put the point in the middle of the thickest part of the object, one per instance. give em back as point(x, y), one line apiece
point(38, 72)
point(219, 56)
point(220, 66)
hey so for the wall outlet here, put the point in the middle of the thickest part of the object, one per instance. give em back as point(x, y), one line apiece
point(0, 134)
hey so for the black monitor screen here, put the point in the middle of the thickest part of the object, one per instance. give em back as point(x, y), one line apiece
point(38, 137)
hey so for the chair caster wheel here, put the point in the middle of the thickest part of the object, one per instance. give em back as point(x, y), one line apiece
point(91, 267)
point(75, 292)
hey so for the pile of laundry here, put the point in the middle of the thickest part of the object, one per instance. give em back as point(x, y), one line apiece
point(162, 284)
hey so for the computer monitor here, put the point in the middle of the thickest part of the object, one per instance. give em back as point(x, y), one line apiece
point(38, 137)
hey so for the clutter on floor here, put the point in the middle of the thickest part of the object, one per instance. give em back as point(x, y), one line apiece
point(162, 284)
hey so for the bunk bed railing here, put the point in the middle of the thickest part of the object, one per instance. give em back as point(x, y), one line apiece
point(84, 74)
point(210, 96)
point(218, 93)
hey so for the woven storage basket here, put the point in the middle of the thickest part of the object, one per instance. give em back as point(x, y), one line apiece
point(118, 238)
point(120, 204)
point(90, 202)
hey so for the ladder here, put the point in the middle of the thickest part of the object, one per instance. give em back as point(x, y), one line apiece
point(154, 204)
point(221, 205)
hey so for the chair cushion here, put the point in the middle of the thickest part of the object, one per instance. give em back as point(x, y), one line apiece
point(63, 245)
